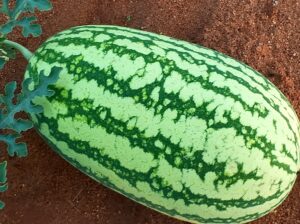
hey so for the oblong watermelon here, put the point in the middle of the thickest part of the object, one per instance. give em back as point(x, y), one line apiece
point(177, 127)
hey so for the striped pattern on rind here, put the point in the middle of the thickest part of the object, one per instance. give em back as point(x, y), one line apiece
point(180, 128)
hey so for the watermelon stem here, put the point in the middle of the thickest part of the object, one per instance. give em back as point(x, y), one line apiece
point(24, 51)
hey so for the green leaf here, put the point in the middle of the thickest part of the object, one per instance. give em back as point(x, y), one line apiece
point(6, 53)
point(26, 24)
point(11, 103)
point(3, 187)
point(28, 28)
point(13, 148)
point(42, 88)
point(41, 5)
point(2, 63)
point(30, 6)
point(23, 125)
point(7, 99)
point(23, 103)
point(3, 179)
point(6, 50)
point(5, 8)
point(2, 205)
point(3, 172)
point(8, 27)
point(24, 99)
point(20, 7)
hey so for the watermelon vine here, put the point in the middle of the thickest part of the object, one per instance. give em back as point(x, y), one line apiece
point(12, 103)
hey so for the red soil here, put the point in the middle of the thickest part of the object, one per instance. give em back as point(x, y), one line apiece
point(43, 188)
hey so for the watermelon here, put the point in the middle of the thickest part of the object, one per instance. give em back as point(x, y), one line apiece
point(179, 128)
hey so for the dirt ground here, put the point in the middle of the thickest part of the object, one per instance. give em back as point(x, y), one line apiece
point(44, 189)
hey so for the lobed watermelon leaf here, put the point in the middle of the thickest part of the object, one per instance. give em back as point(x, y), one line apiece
point(26, 23)
point(11, 104)
point(6, 53)
point(41, 5)
point(9, 108)
point(3, 179)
